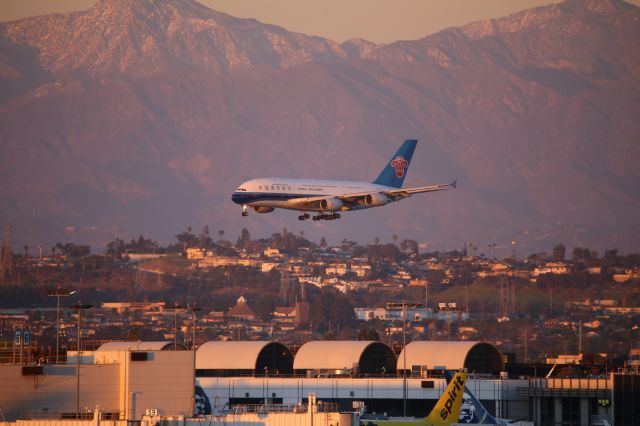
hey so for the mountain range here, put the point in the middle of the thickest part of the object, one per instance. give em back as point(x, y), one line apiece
point(142, 116)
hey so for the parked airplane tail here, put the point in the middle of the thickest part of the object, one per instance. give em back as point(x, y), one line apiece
point(396, 169)
point(472, 410)
point(447, 409)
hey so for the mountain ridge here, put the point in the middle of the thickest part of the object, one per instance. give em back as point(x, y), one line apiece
point(107, 139)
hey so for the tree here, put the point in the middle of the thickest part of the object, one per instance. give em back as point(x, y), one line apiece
point(559, 252)
point(329, 309)
point(187, 239)
point(409, 246)
point(367, 333)
point(376, 241)
point(114, 248)
point(204, 239)
point(244, 239)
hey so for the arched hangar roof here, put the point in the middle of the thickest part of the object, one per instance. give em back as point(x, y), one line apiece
point(244, 355)
point(478, 357)
point(139, 346)
point(370, 357)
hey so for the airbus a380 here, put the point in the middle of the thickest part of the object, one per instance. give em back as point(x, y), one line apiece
point(330, 197)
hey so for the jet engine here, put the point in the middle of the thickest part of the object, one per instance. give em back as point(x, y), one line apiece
point(377, 199)
point(331, 204)
point(263, 209)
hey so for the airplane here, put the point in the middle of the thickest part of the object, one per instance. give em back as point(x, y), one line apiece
point(329, 197)
point(473, 411)
point(445, 412)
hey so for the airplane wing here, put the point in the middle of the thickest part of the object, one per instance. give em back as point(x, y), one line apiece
point(348, 201)
point(400, 192)
point(406, 192)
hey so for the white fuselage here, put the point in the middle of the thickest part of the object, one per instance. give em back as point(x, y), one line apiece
point(282, 193)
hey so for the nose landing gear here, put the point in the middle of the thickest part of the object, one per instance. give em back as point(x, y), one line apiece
point(244, 213)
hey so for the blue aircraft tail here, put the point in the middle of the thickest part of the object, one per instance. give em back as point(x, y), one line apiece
point(472, 410)
point(396, 169)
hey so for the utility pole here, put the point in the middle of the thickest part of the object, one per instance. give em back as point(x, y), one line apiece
point(193, 308)
point(466, 295)
point(404, 361)
point(6, 255)
point(580, 337)
point(176, 307)
point(79, 307)
point(57, 292)
point(21, 342)
point(426, 295)
point(404, 306)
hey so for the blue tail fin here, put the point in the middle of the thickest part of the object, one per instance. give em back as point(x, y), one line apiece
point(396, 169)
point(472, 410)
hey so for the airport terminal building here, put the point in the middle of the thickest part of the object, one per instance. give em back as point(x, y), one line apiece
point(126, 379)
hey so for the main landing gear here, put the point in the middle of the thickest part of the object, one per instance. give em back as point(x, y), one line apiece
point(304, 216)
point(244, 211)
point(324, 216)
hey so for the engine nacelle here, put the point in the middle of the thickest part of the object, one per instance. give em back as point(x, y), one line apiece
point(263, 209)
point(377, 199)
point(331, 204)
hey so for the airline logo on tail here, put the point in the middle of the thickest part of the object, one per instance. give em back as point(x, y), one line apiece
point(400, 165)
point(453, 396)
point(447, 409)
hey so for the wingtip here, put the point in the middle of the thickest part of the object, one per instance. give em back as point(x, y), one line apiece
point(454, 184)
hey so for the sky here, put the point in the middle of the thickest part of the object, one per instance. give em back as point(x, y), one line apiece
point(379, 21)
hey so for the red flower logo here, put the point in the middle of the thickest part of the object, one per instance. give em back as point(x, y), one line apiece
point(400, 165)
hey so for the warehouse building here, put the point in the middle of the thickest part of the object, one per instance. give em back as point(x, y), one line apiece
point(475, 357)
point(357, 357)
point(357, 372)
point(241, 358)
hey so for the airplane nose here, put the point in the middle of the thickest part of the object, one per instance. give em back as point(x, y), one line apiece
point(235, 197)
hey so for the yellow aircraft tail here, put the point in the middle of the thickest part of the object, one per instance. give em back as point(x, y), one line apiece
point(447, 409)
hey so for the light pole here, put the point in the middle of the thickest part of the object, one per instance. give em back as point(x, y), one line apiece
point(176, 308)
point(194, 309)
point(404, 306)
point(57, 292)
point(79, 307)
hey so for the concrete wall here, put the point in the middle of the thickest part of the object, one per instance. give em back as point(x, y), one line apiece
point(165, 381)
point(55, 391)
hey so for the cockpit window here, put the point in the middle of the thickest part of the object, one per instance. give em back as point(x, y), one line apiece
point(242, 189)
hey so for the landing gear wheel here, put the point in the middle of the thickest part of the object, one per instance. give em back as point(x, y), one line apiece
point(245, 213)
